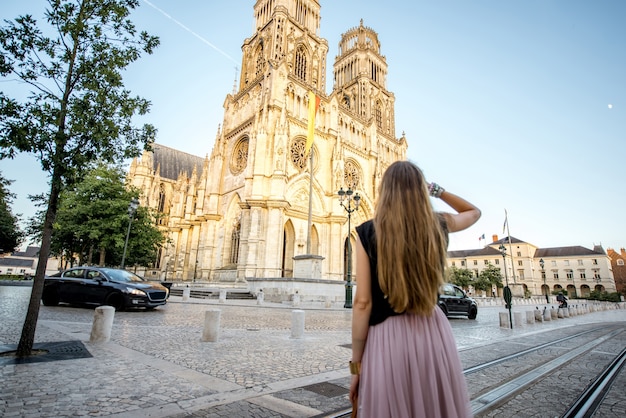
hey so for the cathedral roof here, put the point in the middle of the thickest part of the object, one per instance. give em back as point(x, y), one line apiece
point(173, 162)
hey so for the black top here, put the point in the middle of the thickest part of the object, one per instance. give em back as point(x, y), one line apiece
point(381, 309)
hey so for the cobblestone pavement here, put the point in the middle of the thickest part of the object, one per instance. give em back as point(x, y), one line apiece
point(156, 365)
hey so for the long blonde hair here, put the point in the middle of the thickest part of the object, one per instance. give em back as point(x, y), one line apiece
point(411, 244)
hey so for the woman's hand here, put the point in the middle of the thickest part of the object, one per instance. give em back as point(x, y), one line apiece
point(354, 388)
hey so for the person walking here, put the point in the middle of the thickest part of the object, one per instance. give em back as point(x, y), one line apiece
point(404, 357)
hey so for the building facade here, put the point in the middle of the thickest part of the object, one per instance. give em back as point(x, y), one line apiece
point(575, 270)
point(24, 263)
point(258, 202)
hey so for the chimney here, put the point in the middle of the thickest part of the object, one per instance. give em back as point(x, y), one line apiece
point(494, 237)
point(623, 252)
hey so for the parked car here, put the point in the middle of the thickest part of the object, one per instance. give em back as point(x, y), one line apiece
point(454, 301)
point(97, 286)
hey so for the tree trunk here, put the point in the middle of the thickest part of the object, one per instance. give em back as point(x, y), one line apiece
point(102, 256)
point(27, 339)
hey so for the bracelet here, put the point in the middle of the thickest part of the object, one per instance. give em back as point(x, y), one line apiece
point(435, 190)
point(355, 367)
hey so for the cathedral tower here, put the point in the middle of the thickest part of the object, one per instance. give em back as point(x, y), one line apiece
point(243, 213)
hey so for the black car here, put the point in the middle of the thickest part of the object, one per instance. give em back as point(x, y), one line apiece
point(454, 301)
point(97, 286)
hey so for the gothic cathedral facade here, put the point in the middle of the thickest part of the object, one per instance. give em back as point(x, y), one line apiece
point(254, 204)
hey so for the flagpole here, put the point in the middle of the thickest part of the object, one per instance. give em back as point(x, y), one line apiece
point(314, 102)
point(308, 236)
point(506, 216)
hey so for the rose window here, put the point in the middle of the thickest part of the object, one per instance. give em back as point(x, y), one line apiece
point(239, 159)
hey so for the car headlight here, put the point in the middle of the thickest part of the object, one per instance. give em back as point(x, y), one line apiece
point(136, 292)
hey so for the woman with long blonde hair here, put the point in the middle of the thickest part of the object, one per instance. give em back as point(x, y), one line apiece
point(404, 357)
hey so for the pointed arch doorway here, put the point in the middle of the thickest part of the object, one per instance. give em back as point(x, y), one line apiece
point(289, 242)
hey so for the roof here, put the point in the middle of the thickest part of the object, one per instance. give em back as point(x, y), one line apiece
point(173, 162)
point(486, 251)
point(505, 240)
point(16, 262)
point(31, 252)
point(567, 251)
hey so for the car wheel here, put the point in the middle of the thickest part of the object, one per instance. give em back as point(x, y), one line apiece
point(116, 300)
point(443, 309)
point(472, 313)
point(50, 297)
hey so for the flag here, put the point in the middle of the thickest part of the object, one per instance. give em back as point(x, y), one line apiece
point(506, 221)
point(314, 103)
point(481, 237)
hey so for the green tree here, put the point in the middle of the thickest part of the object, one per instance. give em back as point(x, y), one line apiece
point(77, 109)
point(93, 217)
point(10, 233)
point(490, 276)
point(460, 277)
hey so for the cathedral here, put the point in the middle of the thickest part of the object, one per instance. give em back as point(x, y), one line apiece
point(260, 206)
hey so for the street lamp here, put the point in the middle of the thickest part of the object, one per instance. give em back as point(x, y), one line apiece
point(543, 274)
point(503, 251)
point(132, 208)
point(508, 297)
point(346, 199)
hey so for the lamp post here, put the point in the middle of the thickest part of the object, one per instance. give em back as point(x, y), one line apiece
point(132, 208)
point(543, 275)
point(508, 297)
point(346, 200)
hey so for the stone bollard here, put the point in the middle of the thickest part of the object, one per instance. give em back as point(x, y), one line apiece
point(102, 324)
point(538, 315)
point(517, 319)
point(547, 314)
point(211, 330)
point(504, 320)
point(561, 313)
point(565, 312)
point(530, 317)
point(296, 299)
point(186, 293)
point(259, 297)
point(297, 323)
point(222, 296)
point(554, 313)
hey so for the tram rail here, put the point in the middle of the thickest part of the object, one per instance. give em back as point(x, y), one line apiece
point(589, 401)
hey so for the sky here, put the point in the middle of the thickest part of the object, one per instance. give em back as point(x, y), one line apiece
point(517, 106)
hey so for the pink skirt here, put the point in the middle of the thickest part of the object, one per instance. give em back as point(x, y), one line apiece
point(411, 368)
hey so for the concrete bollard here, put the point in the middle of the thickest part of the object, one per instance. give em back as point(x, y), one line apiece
point(561, 313)
point(554, 313)
point(517, 319)
point(504, 320)
point(530, 317)
point(296, 299)
point(102, 324)
point(297, 323)
point(547, 314)
point(565, 312)
point(259, 297)
point(222, 296)
point(186, 293)
point(211, 330)
point(538, 315)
